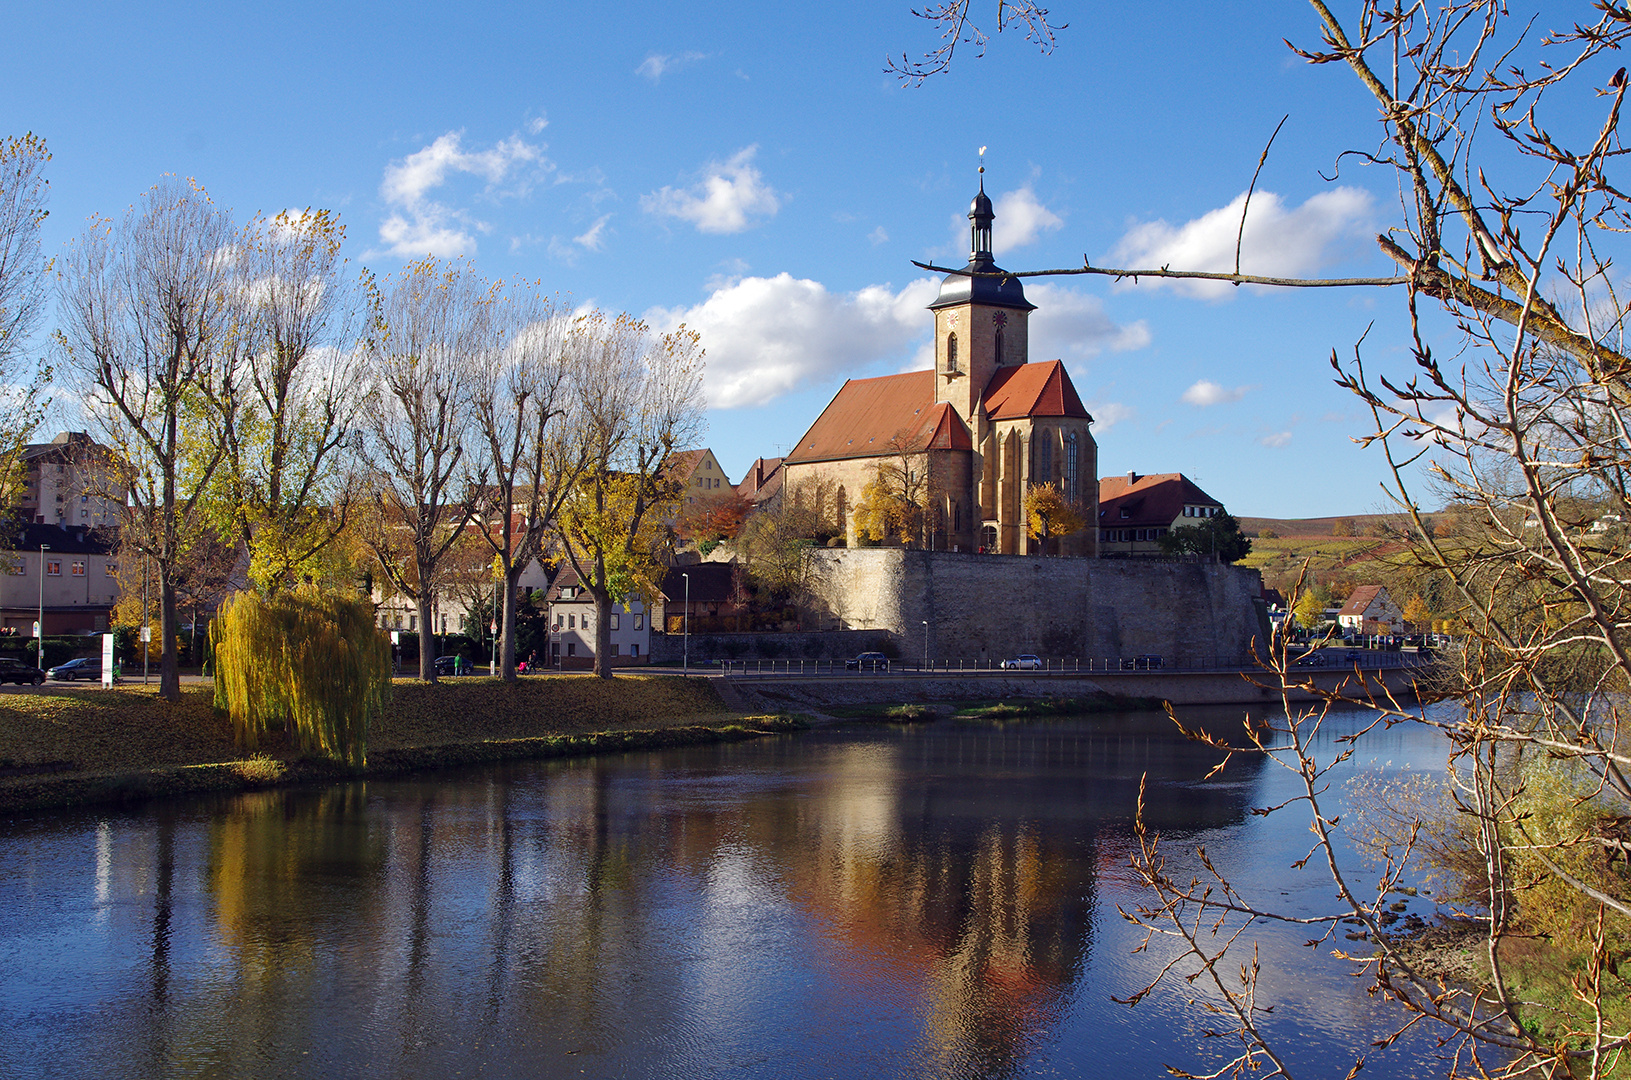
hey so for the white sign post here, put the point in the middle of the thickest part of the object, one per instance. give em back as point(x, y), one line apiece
point(107, 661)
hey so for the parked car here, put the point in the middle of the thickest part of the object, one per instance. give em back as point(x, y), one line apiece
point(1147, 662)
point(868, 661)
point(1313, 659)
point(14, 670)
point(446, 665)
point(85, 667)
point(1022, 662)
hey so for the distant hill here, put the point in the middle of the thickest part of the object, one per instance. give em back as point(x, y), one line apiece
point(1340, 552)
point(1363, 524)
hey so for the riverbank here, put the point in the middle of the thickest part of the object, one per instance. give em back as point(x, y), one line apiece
point(101, 746)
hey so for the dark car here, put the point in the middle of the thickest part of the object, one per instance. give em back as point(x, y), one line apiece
point(1147, 662)
point(868, 661)
point(447, 665)
point(86, 667)
point(14, 670)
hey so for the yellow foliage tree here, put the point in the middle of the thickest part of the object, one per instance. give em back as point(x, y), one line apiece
point(310, 661)
point(1049, 514)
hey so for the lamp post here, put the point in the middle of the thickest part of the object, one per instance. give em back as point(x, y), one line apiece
point(39, 635)
point(685, 664)
point(925, 642)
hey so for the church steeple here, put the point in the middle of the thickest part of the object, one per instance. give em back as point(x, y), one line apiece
point(981, 214)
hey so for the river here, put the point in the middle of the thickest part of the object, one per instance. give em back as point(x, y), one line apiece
point(936, 900)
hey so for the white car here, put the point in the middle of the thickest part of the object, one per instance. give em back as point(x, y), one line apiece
point(1025, 662)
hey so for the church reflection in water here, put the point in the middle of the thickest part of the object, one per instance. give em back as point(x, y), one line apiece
point(917, 900)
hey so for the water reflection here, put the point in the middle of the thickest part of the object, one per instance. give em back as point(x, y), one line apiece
point(921, 901)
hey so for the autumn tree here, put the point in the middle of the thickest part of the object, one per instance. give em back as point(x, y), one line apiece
point(522, 400)
point(145, 306)
point(1048, 514)
point(707, 520)
point(427, 323)
point(294, 350)
point(897, 502)
point(23, 191)
point(638, 401)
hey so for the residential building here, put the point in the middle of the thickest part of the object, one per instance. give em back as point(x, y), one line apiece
point(67, 481)
point(70, 570)
point(1370, 610)
point(1135, 512)
point(700, 472)
point(979, 430)
point(708, 593)
point(572, 626)
point(763, 483)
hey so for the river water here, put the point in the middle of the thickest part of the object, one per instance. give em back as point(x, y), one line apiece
point(926, 901)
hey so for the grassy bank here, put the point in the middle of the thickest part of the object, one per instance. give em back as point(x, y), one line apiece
point(112, 745)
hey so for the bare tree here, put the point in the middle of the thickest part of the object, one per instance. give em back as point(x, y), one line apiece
point(1502, 134)
point(23, 190)
point(294, 386)
point(639, 400)
point(521, 389)
point(145, 305)
point(428, 324)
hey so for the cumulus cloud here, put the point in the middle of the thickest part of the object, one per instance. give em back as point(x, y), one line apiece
point(656, 65)
point(1020, 220)
point(768, 336)
point(1276, 440)
point(730, 195)
point(420, 225)
point(1206, 392)
point(1279, 240)
point(1069, 325)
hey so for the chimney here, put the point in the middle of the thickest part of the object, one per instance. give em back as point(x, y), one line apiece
point(1132, 478)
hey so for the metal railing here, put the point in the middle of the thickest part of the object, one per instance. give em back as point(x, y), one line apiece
point(1346, 660)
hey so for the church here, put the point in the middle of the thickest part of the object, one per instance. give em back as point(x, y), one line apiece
point(982, 428)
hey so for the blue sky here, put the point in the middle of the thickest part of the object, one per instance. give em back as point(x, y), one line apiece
point(753, 170)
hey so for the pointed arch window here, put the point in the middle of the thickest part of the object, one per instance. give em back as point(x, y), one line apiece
point(1072, 464)
point(951, 352)
point(999, 348)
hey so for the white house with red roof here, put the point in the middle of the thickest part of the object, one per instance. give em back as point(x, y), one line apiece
point(985, 424)
point(1370, 610)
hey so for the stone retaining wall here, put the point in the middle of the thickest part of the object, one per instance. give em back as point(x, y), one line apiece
point(769, 645)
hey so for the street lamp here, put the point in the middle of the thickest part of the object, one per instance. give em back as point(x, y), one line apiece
point(925, 642)
point(39, 628)
point(685, 664)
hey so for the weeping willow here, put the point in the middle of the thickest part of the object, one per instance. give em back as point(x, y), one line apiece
point(310, 661)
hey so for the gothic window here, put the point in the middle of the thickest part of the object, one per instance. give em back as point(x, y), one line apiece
point(999, 348)
point(1072, 463)
point(1041, 457)
point(951, 352)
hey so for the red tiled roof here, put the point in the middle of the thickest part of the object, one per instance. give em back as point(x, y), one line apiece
point(682, 463)
point(867, 414)
point(1032, 390)
point(1149, 500)
point(1360, 599)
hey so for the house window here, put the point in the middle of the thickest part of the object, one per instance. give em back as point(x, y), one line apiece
point(639, 622)
point(1126, 513)
point(18, 568)
point(615, 620)
point(77, 568)
point(53, 568)
point(571, 622)
point(614, 648)
point(634, 650)
point(413, 622)
point(571, 648)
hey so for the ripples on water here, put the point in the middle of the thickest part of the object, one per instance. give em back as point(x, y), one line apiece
point(931, 901)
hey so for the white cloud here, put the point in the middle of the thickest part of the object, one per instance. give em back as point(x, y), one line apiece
point(1070, 325)
point(656, 65)
point(878, 236)
point(594, 239)
point(1278, 241)
point(1020, 220)
point(730, 194)
point(1277, 440)
point(767, 336)
point(1107, 414)
point(1206, 392)
point(419, 225)
point(537, 124)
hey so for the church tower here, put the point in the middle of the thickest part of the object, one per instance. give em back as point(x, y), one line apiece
point(980, 323)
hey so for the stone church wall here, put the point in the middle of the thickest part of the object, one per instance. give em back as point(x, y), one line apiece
point(995, 606)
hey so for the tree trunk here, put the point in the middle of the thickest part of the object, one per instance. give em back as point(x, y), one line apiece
point(427, 640)
point(169, 662)
point(506, 623)
point(603, 632)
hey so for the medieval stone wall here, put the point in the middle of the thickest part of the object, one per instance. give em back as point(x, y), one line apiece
point(995, 606)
